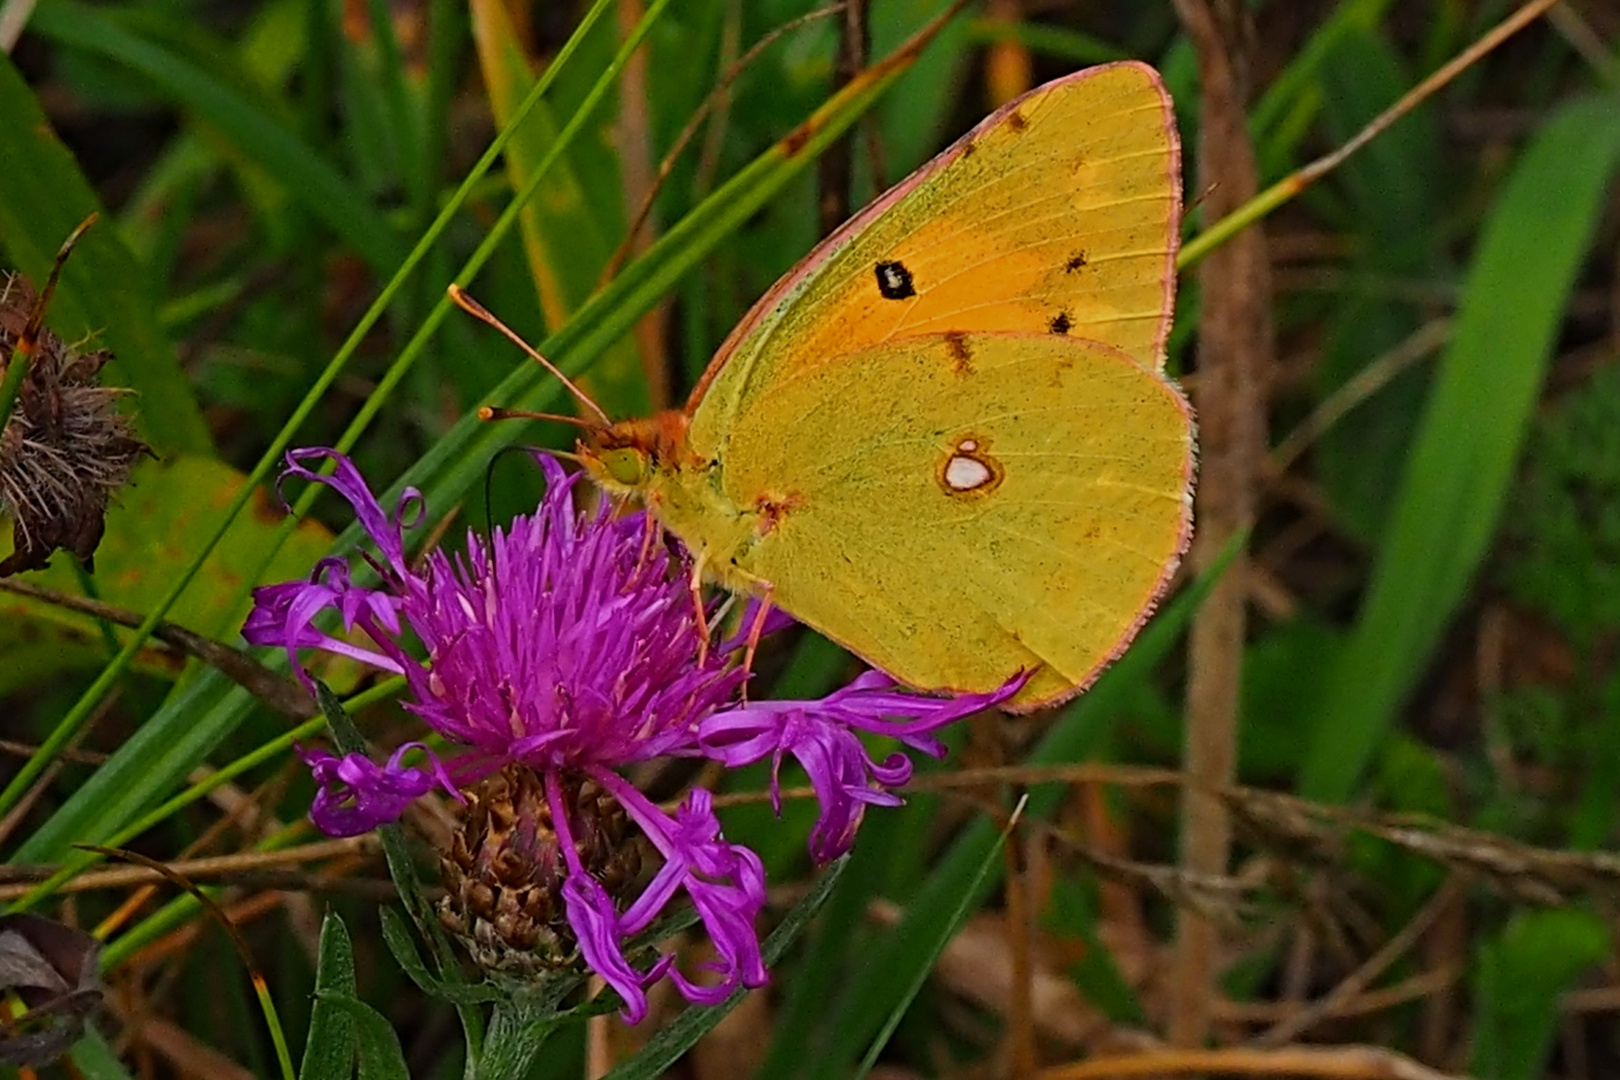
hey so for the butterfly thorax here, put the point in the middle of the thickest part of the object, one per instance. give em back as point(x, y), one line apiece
point(651, 461)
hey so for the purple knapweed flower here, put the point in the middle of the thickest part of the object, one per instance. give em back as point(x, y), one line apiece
point(568, 644)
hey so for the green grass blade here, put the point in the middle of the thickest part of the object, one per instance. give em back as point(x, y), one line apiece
point(1462, 460)
point(1296, 80)
point(947, 930)
point(1520, 977)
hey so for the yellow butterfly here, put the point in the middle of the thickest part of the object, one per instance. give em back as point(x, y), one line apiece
point(946, 439)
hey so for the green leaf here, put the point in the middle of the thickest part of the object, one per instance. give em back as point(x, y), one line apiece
point(95, 1060)
point(43, 197)
point(381, 1057)
point(1451, 494)
point(329, 1049)
point(397, 936)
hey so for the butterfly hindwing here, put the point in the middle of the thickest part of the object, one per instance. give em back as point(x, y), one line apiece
point(1018, 502)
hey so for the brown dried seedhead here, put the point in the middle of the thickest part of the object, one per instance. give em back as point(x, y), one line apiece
point(66, 448)
point(503, 873)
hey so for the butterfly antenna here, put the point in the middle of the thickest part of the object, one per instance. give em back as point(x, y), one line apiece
point(496, 412)
point(478, 311)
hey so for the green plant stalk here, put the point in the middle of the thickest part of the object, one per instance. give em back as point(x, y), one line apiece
point(272, 1020)
point(82, 709)
point(1257, 208)
point(87, 585)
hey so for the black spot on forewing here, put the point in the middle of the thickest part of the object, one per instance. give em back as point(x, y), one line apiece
point(894, 281)
point(1076, 262)
point(1060, 323)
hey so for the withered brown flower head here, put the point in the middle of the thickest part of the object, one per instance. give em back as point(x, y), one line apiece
point(66, 448)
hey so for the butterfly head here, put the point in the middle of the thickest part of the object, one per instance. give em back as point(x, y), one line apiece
point(624, 457)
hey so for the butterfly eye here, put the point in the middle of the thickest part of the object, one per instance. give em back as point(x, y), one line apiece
point(627, 465)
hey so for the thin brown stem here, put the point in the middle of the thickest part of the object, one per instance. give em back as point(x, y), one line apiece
point(1235, 349)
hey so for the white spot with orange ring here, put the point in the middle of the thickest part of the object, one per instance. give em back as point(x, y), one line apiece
point(963, 473)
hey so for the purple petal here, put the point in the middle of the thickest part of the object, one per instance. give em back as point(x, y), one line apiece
point(596, 922)
point(725, 881)
point(596, 925)
point(347, 481)
point(284, 615)
point(822, 737)
point(357, 794)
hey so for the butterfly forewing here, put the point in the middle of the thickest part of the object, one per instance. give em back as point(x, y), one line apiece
point(1057, 215)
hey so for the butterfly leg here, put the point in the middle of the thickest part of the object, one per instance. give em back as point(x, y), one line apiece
point(649, 536)
point(697, 608)
point(755, 629)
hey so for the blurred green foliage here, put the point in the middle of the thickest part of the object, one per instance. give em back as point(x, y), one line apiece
point(1562, 542)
